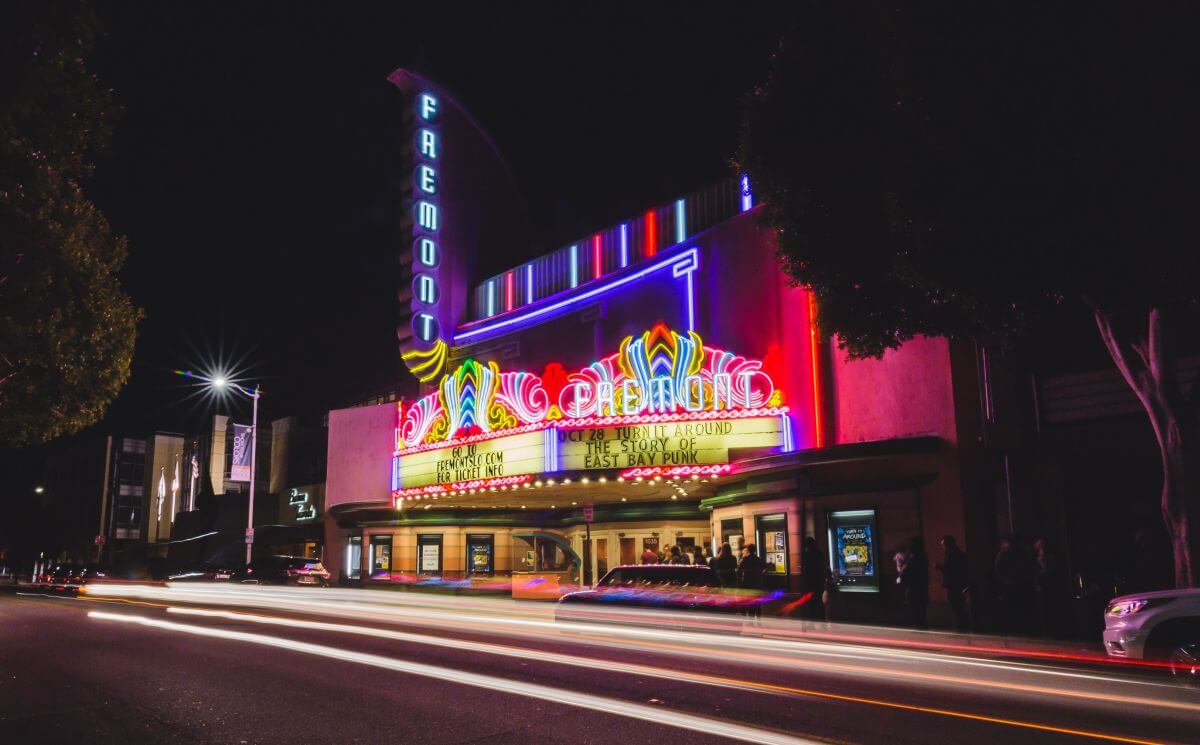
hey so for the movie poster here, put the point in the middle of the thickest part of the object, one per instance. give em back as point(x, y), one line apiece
point(855, 553)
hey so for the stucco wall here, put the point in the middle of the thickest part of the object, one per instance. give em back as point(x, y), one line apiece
point(361, 442)
point(907, 393)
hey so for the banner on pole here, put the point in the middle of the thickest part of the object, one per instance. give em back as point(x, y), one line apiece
point(239, 470)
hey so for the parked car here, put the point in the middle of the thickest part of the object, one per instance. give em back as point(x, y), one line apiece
point(202, 573)
point(284, 570)
point(1158, 626)
point(662, 586)
point(65, 577)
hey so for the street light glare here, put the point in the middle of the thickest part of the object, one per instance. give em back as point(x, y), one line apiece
point(39, 490)
point(218, 382)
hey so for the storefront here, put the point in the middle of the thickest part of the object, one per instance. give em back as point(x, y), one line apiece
point(655, 383)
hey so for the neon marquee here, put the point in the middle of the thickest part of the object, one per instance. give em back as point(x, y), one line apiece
point(658, 376)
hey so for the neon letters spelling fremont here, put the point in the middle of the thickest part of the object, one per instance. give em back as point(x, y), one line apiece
point(659, 376)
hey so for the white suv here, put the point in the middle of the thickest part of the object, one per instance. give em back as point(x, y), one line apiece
point(1162, 626)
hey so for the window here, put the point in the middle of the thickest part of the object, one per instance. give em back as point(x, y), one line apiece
point(354, 557)
point(429, 553)
point(480, 551)
point(381, 556)
point(772, 540)
point(853, 553)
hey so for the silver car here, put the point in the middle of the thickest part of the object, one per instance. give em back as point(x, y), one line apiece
point(1159, 626)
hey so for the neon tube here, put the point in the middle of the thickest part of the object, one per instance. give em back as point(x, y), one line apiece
point(624, 245)
point(574, 265)
point(680, 221)
point(651, 233)
point(689, 254)
point(747, 197)
point(508, 291)
point(597, 263)
point(814, 352)
point(529, 284)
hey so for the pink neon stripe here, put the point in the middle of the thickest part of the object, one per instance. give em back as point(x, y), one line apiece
point(597, 267)
point(651, 233)
point(508, 291)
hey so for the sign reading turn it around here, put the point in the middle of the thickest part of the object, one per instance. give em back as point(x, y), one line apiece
point(664, 399)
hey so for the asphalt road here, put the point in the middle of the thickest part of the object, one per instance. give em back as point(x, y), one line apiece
point(346, 666)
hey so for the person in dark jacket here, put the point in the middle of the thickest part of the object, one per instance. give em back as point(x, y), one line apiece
point(953, 568)
point(1053, 584)
point(914, 580)
point(725, 565)
point(1015, 572)
point(676, 556)
point(813, 569)
point(750, 577)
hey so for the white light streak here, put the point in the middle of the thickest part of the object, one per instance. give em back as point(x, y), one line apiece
point(652, 714)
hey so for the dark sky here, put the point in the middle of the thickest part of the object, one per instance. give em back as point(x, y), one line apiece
point(255, 167)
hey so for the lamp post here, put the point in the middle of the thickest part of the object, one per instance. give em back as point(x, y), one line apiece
point(222, 383)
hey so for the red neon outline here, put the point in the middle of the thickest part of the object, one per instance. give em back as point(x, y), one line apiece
point(716, 469)
point(651, 233)
point(814, 352)
point(508, 291)
point(597, 267)
point(414, 492)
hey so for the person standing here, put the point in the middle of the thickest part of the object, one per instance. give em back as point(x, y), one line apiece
point(812, 579)
point(914, 580)
point(725, 565)
point(649, 556)
point(1015, 571)
point(676, 556)
point(953, 568)
point(750, 578)
point(1053, 592)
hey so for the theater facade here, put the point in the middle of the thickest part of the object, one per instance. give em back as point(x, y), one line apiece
point(655, 382)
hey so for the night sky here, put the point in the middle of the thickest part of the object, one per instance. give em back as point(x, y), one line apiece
point(256, 167)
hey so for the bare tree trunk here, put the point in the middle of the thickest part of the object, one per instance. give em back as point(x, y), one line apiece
point(1150, 371)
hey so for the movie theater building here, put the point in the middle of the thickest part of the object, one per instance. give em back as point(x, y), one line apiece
point(655, 382)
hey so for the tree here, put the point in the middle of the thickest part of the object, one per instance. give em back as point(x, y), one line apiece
point(971, 170)
point(67, 329)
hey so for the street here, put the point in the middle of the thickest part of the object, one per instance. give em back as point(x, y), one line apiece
point(219, 663)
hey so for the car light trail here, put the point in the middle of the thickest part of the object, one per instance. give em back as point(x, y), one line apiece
point(611, 666)
point(507, 618)
point(652, 714)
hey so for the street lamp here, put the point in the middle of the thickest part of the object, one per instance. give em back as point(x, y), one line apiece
point(223, 383)
point(39, 489)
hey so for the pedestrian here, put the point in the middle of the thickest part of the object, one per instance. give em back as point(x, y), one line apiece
point(1147, 565)
point(1053, 587)
point(914, 580)
point(649, 556)
point(953, 568)
point(750, 578)
point(1015, 569)
point(725, 565)
point(676, 556)
point(701, 556)
point(812, 579)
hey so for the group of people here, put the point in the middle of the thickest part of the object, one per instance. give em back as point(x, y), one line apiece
point(745, 571)
point(1030, 586)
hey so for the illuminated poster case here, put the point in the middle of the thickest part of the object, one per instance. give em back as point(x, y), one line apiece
point(854, 550)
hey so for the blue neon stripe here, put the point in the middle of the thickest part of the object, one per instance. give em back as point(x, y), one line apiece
point(688, 255)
